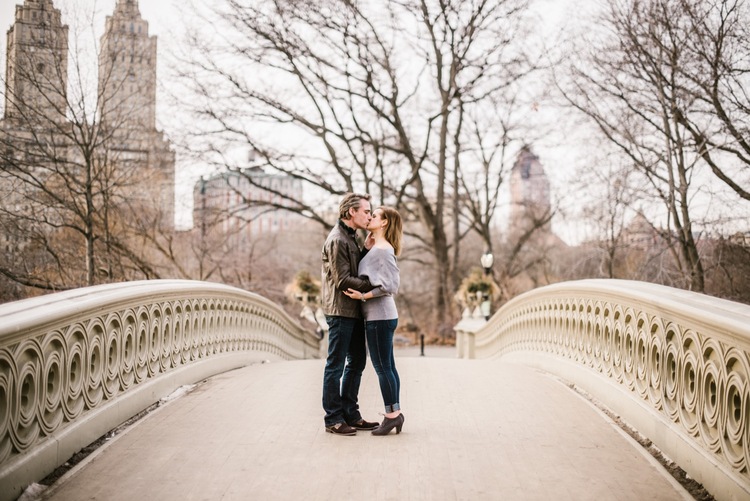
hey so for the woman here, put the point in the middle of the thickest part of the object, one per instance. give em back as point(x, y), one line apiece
point(379, 309)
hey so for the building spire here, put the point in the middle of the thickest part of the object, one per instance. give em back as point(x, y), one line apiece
point(530, 194)
point(127, 7)
point(37, 62)
point(127, 69)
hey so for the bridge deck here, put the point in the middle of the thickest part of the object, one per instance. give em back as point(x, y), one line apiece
point(474, 430)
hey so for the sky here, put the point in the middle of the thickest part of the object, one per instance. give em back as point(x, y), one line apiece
point(561, 156)
point(161, 14)
point(166, 17)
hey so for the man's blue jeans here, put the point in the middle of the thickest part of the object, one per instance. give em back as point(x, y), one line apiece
point(346, 356)
point(380, 342)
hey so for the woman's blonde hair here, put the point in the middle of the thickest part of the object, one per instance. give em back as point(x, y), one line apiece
point(394, 230)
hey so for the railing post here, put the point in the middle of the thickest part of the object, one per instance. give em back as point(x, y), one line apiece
point(465, 333)
point(470, 339)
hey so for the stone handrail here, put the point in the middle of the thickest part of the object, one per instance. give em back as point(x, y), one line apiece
point(675, 365)
point(76, 364)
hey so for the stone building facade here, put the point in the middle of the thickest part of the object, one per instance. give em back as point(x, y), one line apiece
point(529, 194)
point(38, 110)
point(127, 107)
point(37, 44)
point(243, 205)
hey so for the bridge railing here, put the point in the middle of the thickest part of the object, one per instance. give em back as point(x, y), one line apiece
point(675, 365)
point(76, 364)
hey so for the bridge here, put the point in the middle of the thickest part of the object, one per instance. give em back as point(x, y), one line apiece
point(189, 390)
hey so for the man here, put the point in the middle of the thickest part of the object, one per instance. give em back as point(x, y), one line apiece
point(346, 328)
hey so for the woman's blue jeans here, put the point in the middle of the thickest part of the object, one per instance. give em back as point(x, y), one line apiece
point(380, 342)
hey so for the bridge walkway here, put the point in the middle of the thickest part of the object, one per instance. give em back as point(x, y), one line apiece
point(474, 429)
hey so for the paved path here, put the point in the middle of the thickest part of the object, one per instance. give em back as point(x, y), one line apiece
point(474, 430)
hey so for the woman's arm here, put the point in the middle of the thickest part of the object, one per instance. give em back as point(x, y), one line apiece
point(383, 274)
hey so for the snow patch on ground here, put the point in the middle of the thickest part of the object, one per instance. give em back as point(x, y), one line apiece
point(179, 392)
point(32, 492)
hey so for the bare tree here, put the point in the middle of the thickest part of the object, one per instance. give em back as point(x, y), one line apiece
point(728, 265)
point(478, 194)
point(632, 86)
point(76, 204)
point(716, 39)
point(358, 96)
point(608, 212)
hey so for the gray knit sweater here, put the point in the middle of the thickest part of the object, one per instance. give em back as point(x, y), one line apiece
point(380, 267)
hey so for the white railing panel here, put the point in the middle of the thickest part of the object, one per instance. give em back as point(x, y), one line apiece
point(674, 364)
point(75, 364)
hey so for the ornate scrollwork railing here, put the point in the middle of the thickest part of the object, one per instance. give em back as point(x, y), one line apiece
point(674, 364)
point(101, 354)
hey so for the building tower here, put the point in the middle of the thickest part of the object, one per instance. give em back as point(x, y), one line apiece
point(243, 205)
point(37, 65)
point(127, 70)
point(127, 108)
point(529, 194)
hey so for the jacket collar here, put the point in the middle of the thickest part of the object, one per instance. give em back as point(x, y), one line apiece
point(350, 231)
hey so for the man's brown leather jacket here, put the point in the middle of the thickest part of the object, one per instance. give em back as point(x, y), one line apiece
point(341, 255)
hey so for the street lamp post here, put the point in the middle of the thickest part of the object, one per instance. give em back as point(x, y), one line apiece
point(487, 259)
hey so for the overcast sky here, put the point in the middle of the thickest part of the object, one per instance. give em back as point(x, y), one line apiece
point(162, 15)
point(163, 18)
point(159, 13)
point(166, 17)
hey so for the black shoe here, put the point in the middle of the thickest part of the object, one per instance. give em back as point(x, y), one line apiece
point(363, 425)
point(389, 424)
point(341, 429)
